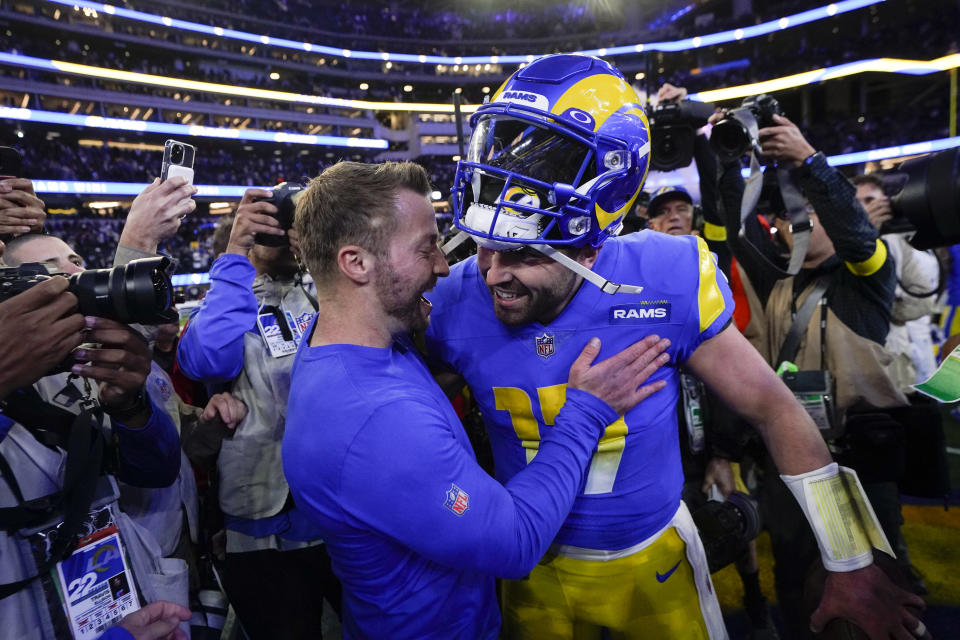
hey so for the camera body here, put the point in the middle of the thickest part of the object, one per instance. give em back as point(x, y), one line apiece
point(138, 292)
point(673, 129)
point(727, 528)
point(731, 136)
point(285, 196)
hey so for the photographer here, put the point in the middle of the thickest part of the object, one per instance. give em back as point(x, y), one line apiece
point(708, 223)
point(245, 333)
point(915, 299)
point(58, 466)
point(847, 268)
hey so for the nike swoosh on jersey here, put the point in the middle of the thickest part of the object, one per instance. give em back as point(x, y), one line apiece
point(662, 577)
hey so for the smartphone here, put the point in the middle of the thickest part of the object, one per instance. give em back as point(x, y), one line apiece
point(11, 164)
point(178, 160)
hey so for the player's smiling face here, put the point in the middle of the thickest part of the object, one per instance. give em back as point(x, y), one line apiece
point(527, 286)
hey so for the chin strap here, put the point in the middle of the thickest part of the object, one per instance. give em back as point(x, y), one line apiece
point(454, 242)
point(591, 276)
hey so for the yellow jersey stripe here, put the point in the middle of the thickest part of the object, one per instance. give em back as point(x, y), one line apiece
point(709, 298)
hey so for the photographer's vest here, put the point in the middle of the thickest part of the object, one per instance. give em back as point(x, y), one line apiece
point(252, 484)
point(860, 366)
point(33, 471)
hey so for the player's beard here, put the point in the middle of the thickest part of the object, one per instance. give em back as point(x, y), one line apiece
point(402, 298)
point(536, 305)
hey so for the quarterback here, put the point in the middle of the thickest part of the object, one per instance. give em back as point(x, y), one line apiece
point(555, 161)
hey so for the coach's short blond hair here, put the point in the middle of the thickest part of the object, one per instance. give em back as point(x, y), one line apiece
point(352, 203)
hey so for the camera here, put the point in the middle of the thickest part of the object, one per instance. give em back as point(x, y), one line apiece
point(176, 154)
point(731, 136)
point(673, 129)
point(925, 198)
point(138, 292)
point(726, 528)
point(285, 196)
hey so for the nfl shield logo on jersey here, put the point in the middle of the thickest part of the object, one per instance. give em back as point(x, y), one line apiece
point(545, 345)
point(457, 500)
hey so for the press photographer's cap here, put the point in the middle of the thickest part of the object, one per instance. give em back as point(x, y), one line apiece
point(665, 194)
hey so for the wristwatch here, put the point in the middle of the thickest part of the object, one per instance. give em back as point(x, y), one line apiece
point(125, 413)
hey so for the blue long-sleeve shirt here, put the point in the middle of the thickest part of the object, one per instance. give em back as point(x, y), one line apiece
point(211, 349)
point(149, 457)
point(416, 530)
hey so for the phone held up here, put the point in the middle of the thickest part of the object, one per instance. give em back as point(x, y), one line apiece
point(178, 160)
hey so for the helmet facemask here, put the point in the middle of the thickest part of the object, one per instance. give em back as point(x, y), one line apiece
point(527, 179)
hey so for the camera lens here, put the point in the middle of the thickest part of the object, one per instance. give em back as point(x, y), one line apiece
point(137, 292)
point(730, 138)
point(176, 154)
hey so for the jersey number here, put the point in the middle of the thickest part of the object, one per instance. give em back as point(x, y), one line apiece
point(606, 460)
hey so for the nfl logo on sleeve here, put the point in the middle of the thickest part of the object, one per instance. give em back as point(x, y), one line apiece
point(545, 345)
point(457, 500)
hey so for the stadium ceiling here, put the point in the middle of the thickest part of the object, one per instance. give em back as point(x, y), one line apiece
point(732, 35)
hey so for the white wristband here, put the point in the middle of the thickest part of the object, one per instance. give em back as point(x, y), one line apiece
point(843, 522)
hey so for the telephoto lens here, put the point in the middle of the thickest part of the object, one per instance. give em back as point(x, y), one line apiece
point(138, 292)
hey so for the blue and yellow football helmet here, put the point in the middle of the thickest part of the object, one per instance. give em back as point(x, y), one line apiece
point(557, 157)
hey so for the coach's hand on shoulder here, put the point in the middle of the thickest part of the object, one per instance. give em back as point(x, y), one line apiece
point(40, 327)
point(253, 216)
point(21, 211)
point(618, 379)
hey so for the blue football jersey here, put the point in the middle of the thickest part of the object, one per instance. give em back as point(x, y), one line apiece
point(518, 375)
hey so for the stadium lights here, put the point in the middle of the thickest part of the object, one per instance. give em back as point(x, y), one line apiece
point(211, 87)
point(53, 117)
point(812, 15)
point(883, 65)
point(80, 187)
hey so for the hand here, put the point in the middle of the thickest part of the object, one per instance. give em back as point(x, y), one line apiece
point(21, 211)
point(40, 327)
point(669, 93)
point(879, 211)
point(617, 379)
point(869, 599)
point(784, 143)
point(120, 364)
point(155, 213)
point(225, 407)
point(252, 218)
point(157, 621)
point(720, 473)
